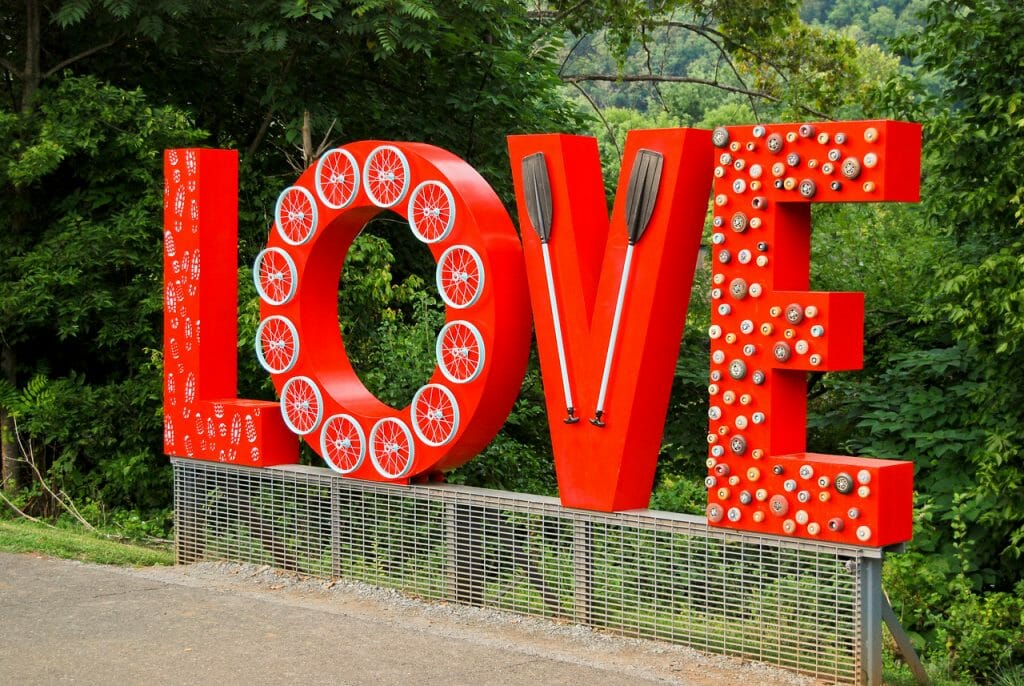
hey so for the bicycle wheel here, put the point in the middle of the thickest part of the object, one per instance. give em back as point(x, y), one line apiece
point(337, 178)
point(391, 448)
point(277, 344)
point(295, 215)
point(460, 276)
point(342, 443)
point(431, 211)
point(275, 276)
point(460, 351)
point(386, 176)
point(302, 405)
point(435, 414)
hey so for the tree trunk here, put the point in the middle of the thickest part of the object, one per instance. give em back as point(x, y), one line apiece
point(33, 47)
point(14, 471)
point(307, 140)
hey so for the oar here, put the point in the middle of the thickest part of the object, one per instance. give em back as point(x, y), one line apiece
point(537, 188)
point(640, 197)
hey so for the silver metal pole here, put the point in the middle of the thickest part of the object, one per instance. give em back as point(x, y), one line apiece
point(616, 320)
point(563, 366)
point(582, 540)
point(871, 620)
point(906, 646)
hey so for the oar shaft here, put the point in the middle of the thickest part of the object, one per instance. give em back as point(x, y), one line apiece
point(616, 321)
point(559, 343)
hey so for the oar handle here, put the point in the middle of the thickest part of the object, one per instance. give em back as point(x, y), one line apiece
point(570, 409)
point(597, 419)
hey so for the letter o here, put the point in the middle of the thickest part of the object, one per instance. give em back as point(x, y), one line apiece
point(481, 351)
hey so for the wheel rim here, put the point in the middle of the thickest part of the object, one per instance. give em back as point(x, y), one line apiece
point(342, 443)
point(275, 276)
point(386, 176)
point(302, 405)
point(295, 215)
point(431, 211)
point(460, 276)
point(391, 448)
point(460, 351)
point(277, 344)
point(435, 414)
point(337, 178)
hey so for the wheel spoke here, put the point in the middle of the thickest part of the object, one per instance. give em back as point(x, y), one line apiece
point(337, 178)
point(431, 211)
point(275, 276)
point(277, 344)
point(391, 448)
point(301, 405)
point(460, 351)
point(295, 215)
point(342, 443)
point(435, 414)
point(386, 176)
point(460, 276)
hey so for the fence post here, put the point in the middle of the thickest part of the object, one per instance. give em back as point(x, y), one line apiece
point(336, 531)
point(451, 544)
point(871, 620)
point(189, 522)
point(464, 543)
point(582, 569)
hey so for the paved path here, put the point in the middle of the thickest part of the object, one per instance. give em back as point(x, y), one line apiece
point(68, 622)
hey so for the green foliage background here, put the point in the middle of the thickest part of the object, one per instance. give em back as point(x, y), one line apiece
point(95, 90)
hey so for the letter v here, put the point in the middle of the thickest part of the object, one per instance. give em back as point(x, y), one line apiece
point(620, 290)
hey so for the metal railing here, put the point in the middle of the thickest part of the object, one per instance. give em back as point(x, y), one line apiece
point(801, 605)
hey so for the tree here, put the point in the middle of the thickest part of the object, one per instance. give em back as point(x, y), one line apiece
point(33, 151)
point(949, 396)
point(106, 86)
point(760, 50)
point(80, 297)
point(973, 196)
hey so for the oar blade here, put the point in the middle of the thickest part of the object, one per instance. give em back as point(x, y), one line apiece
point(642, 192)
point(537, 187)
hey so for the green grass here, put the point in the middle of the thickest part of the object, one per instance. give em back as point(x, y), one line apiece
point(895, 672)
point(28, 537)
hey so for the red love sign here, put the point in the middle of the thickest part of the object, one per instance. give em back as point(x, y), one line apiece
point(608, 299)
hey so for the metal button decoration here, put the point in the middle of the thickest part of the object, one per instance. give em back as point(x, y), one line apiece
point(808, 188)
point(737, 369)
point(793, 331)
point(738, 222)
point(844, 483)
point(851, 168)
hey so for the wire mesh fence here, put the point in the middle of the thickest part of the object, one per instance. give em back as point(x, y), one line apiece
point(641, 573)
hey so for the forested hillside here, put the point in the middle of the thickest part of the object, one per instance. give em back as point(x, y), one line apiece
point(94, 90)
point(869, 21)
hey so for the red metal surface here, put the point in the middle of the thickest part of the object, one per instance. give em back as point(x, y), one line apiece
point(202, 417)
point(612, 468)
point(457, 214)
point(761, 237)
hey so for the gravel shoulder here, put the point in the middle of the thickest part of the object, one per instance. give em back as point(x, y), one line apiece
point(218, 622)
